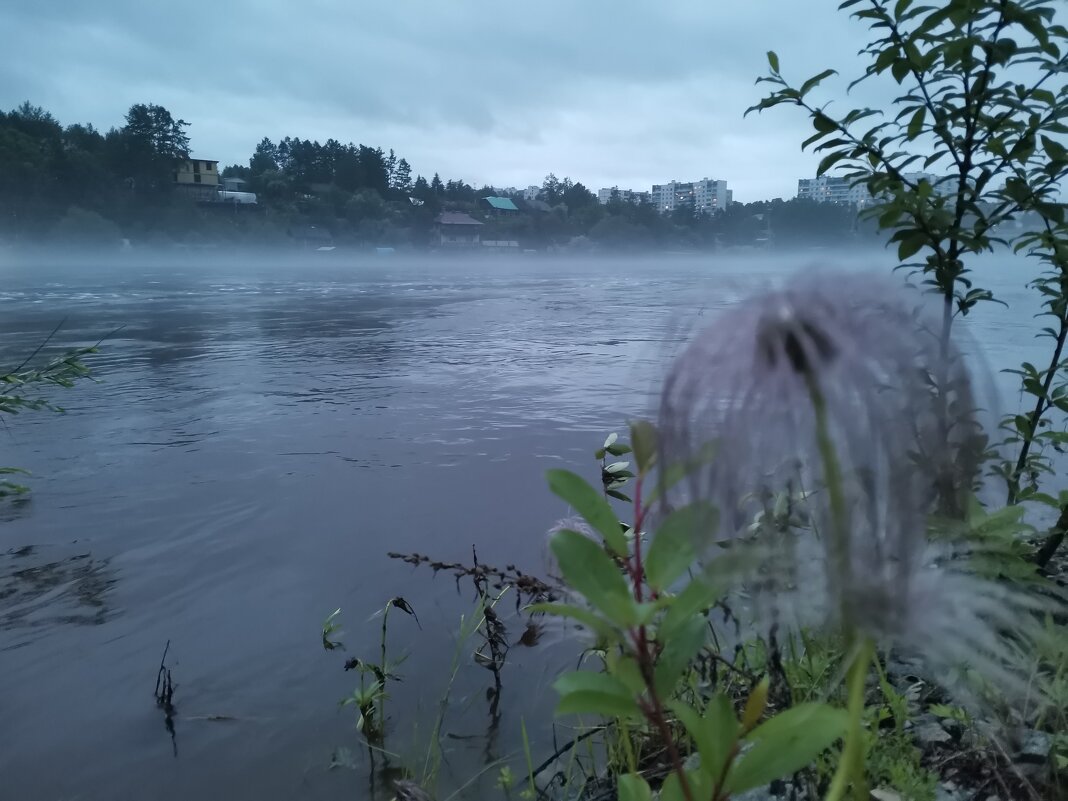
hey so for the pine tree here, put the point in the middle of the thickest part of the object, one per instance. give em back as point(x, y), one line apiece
point(402, 176)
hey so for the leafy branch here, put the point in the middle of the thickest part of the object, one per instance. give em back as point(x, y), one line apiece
point(961, 108)
point(976, 103)
point(652, 625)
point(19, 387)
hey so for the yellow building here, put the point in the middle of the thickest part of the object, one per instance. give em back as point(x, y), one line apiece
point(198, 171)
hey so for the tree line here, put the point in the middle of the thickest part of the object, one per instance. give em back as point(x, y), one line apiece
point(75, 184)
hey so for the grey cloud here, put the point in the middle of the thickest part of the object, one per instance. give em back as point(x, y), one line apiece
point(610, 93)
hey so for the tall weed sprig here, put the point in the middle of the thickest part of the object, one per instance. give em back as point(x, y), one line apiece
point(651, 623)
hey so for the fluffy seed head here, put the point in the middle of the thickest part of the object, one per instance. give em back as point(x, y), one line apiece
point(837, 382)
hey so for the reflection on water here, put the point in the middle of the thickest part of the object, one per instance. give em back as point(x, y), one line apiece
point(39, 591)
point(261, 437)
point(12, 507)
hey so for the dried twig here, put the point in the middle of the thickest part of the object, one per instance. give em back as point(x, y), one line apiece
point(164, 694)
point(528, 588)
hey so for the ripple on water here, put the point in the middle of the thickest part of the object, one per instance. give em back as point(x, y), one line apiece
point(261, 436)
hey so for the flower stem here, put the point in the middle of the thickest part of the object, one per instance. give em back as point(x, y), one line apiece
point(851, 764)
point(841, 557)
point(653, 709)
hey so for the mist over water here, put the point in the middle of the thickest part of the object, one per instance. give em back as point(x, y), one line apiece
point(263, 431)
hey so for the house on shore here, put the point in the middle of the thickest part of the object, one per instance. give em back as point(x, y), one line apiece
point(235, 198)
point(235, 191)
point(499, 206)
point(453, 229)
point(199, 178)
point(234, 184)
point(204, 172)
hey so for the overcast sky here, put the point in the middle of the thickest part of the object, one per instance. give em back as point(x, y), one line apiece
point(606, 92)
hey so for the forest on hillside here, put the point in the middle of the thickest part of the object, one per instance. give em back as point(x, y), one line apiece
point(73, 184)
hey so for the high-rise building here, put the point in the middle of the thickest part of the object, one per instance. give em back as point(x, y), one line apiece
point(835, 189)
point(942, 185)
point(707, 195)
point(832, 189)
point(605, 196)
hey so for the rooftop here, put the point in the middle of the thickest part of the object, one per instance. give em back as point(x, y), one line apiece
point(456, 218)
point(501, 203)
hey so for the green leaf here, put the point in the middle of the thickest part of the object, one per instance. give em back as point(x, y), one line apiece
point(589, 681)
point(699, 595)
point(632, 787)
point(814, 81)
point(822, 123)
point(671, 789)
point(590, 620)
point(665, 481)
point(679, 651)
point(588, 569)
point(595, 703)
point(700, 786)
point(714, 733)
point(755, 705)
point(916, 123)
point(910, 246)
point(829, 161)
point(786, 743)
point(648, 609)
point(643, 440)
point(591, 504)
point(626, 670)
point(773, 61)
point(1054, 149)
point(618, 449)
point(585, 692)
point(672, 474)
point(885, 59)
point(722, 724)
point(698, 732)
point(671, 551)
point(899, 69)
point(814, 138)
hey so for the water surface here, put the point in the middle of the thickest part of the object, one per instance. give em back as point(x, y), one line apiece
point(262, 433)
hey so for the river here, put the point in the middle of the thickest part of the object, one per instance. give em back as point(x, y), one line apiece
point(261, 433)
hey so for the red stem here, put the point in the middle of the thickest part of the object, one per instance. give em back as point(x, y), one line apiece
point(656, 716)
point(653, 709)
point(638, 572)
point(719, 795)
